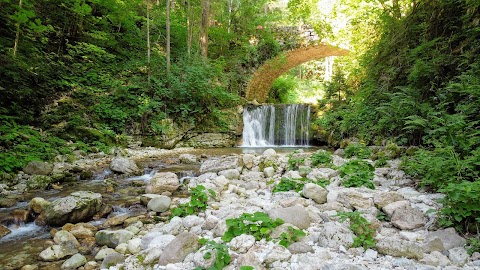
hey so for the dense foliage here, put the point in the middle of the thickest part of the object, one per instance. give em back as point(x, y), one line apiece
point(419, 84)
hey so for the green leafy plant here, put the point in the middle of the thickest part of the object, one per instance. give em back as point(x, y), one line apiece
point(358, 150)
point(357, 173)
point(292, 235)
point(473, 245)
point(321, 157)
point(222, 257)
point(381, 162)
point(295, 161)
point(247, 267)
point(197, 203)
point(364, 233)
point(258, 224)
point(287, 184)
point(460, 205)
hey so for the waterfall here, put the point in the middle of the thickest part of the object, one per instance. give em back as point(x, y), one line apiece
point(276, 125)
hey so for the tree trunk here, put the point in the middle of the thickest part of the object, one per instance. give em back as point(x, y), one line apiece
point(17, 35)
point(167, 47)
point(148, 42)
point(204, 27)
point(189, 29)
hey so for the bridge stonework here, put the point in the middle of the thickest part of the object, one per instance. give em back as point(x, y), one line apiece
point(262, 80)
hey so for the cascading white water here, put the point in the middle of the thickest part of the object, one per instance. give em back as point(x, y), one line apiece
point(276, 125)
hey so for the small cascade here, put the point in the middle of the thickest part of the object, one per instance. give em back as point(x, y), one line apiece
point(276, 125)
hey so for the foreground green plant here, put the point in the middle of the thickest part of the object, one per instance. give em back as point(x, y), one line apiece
point(358, 150)
point(293, 161)
point(473, 245)
point(357, 173)
point(222, 257)
point(460, 205)
point(288, 184)
point(292, 235)
point(321, 157)
point(258, 224)
point(364, 234)
point(197, 203)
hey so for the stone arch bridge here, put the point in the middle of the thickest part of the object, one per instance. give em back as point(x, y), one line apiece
point(262, 80)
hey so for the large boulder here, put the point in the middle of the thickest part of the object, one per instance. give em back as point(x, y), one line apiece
point(216, 165)
point(449, 237)
point(315, 192)
point(79, 206)
point(397, 247)
point(161, 182)
point(111, 238)
point(38, 168)
point(334, 234)
point(159, 204)
point(179, 248)
point(295, 215)
point(408, 218)
point(124, 165)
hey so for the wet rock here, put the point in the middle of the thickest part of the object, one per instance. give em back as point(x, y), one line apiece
point(384, 198)
point(242, 243)
point(449, 237)
point(104, 252)
point(159, 204)
point(37, 205)
point(57, 252)
point(335, 234)
point(458, 255)
point(161, 182)
point(4, 231)
point(435, 258)
point(39, 182)
point(315, 192)
point(65, 239)
point(396, 247)
point(91, 265)
point(179, 248)
point(124, 166)
point(112, 238)
point(7, 202)
point(38, 168)
point(115, 220)
point(295, 215)
point(86, 245)
point(188, 159)
point(79, 206)
point(216, 165)
point(112, 260)
point(74, 262)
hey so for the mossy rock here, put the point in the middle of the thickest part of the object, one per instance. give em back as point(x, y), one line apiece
point(39, 182)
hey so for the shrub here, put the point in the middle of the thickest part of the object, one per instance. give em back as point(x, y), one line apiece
point(321, 157)
point(287, 184)
point(460, 205)
point(258, 224)
point(198, 202)
point(364, 234)
point(358, 150)
point(357, 173)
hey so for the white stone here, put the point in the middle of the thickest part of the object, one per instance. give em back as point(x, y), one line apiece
point(74, 262)
point(315, 192)
point(134, 245)
point(242, 243)
point(458, 255)
point(175, 226)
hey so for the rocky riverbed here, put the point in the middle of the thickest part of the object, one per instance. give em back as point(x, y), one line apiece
point(86, 235)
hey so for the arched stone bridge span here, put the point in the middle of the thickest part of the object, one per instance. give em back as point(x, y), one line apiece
point(262, 81)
